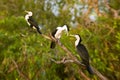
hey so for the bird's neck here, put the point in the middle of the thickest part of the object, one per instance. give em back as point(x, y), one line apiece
point(58, 34)
point(27, 17)
point(64, 28)
point(77, 42)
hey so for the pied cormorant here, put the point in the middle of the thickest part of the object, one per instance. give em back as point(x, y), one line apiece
point(31, 22)
point(83, 53)
point(57, 34)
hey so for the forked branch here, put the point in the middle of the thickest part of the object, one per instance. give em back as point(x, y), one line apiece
point(73, 59)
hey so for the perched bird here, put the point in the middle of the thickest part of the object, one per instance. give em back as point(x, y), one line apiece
point(82, 51)
point(31, 22)
point(57, 34)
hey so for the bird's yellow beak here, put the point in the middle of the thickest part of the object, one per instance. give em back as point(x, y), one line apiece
point(72, 35)
point(26, 11)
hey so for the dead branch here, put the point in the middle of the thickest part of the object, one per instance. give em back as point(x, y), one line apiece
point(83, 75)
point(47, 37)
point(99, 74)
point(78, 63)
point(12, 68)
point(115, 12)
point(74, 59)
point(19, 72)
point(63, 61)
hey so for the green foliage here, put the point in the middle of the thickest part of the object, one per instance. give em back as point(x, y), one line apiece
point(115, 4)
point(31, 52)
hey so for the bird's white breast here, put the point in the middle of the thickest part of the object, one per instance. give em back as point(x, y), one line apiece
point(26, 18)
point(77, 41)
point(58, 34)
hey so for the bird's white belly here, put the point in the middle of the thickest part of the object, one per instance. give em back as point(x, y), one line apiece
point(26, 18)
point(58, 35)
point(76, 42)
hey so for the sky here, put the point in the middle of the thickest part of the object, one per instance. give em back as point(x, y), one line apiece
point(77, 6)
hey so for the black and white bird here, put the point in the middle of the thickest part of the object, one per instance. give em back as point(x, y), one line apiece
point(31, 22)
point(82, 51)
point(57, 34)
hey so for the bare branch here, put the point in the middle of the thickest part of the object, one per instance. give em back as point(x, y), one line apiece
point(78, 62)
point(19, 72)
point(83, 75)
point(115, 12)
point(47, 37)
point(36, 74)
point(63, 61)
point(99, 74)
point(69, 54)
point(14, 67)
point(74, 59)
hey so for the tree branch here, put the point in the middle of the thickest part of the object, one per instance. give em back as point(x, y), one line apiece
point(14, 67)
point(115, 12)
point(19, 72)
point(74, 59)
point(99, 74)
point(63, 61)
point(83, 75)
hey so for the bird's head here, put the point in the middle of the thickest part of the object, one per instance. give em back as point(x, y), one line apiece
point(66, 28)
point(59, 28)
point(77, 36)
point(29, 13)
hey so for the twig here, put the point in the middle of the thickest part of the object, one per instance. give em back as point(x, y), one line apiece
point(20, 64)
point(19, 72)
point(36, 73)
point(83, 75)
point(70, 55)
point(115, 12)
point(47, 37)
point(63, 61)
point(14, 67)
point(99, 74)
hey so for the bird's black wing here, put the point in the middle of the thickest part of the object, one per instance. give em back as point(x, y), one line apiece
point(68, 28)
point(85, 57)
point(53, 33)
point(83, 53)
point(32, 22)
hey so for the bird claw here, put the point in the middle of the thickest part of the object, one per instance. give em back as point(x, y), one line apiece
point(58, 41)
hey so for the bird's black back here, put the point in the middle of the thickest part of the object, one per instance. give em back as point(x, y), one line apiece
point(83, 53)
point(68, 28)
point(32, 22)
point(84, 56)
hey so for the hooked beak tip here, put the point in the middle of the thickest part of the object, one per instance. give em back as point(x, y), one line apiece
point(26, 11)
point(72, 35)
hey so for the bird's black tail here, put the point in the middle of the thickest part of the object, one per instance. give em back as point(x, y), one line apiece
point(38, 30)
point(89, 69)
point(52, 46)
